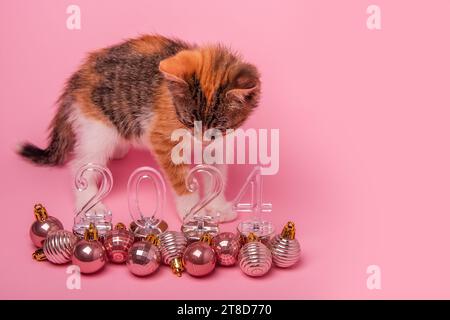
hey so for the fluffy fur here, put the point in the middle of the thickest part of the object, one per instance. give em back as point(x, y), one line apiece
point(138, 93)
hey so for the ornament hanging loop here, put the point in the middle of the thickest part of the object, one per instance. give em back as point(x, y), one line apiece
point(40, 212)
point(288, 231)
point(39, 255)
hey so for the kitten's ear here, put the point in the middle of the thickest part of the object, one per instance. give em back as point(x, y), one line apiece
point(246, 83)
point(181, 66)
point(242, 94)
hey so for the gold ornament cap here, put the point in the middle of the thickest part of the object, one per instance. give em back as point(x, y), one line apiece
point(120, 226)
point(39, 255)
point(40, 212)
point(153, 239)
point(251, 237)
point(206, 237)
point(91, 233)
point(177, 266)
point(288, 231)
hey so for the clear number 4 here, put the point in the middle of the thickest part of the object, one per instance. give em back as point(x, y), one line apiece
point(256, 224)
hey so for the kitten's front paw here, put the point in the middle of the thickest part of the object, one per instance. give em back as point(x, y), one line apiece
point(120, 152)
point(185, 203)
point(99, 209)
point(222, 209)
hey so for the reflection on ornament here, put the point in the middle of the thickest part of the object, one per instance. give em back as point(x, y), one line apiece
point(43, 225)
point(117, 243)
point(172, 245)
point(144, 257)
point(89, 254)
point(57, 248)
point(227, 246)
point(285, 247)
point(199, 259)
point(255, 259)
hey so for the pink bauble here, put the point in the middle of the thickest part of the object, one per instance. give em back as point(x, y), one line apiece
point(227, 246)
point(199, 259)
point(144, 258)
point(117, 243)
point(40, 229)
point(90, 256)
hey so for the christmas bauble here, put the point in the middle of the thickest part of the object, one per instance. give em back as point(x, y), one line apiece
point(227, 246)
point(172, 245)
point(199, 258)
point(43, 225)
point(58, 246)
point(285, 247)
point(144, 257)
point(117, 243)
point(255, 259)
point(89, 254)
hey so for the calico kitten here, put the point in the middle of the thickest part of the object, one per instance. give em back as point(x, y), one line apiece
point(139, 92)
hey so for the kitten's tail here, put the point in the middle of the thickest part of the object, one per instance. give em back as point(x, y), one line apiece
point(62, 139)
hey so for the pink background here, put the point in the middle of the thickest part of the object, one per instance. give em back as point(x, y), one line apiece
point(363, 118)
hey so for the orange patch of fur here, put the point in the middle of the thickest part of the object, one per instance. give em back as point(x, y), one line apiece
point(182, 65)
point(199, 62)
point(149, 44)
point(206, 77)
point(164, 122)
point(210, 79)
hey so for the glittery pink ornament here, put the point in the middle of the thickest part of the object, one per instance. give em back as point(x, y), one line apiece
point(199, 259)
point(117, 243)
point(43, 225)
point(89, 254)
point(144, 257)
point(227, 246)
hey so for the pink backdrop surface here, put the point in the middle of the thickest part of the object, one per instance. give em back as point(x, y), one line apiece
point(364, 126)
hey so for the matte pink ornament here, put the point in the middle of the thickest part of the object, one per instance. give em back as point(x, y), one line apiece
point(199, 259)
point(227, 246)
point(43, 225)
point(117, 243)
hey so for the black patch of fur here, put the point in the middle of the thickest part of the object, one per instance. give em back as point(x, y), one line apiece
point(62, 139)
point(35, 154)
point(129, 82)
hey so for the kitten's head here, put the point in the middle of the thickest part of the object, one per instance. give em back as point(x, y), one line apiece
point(211, 85)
